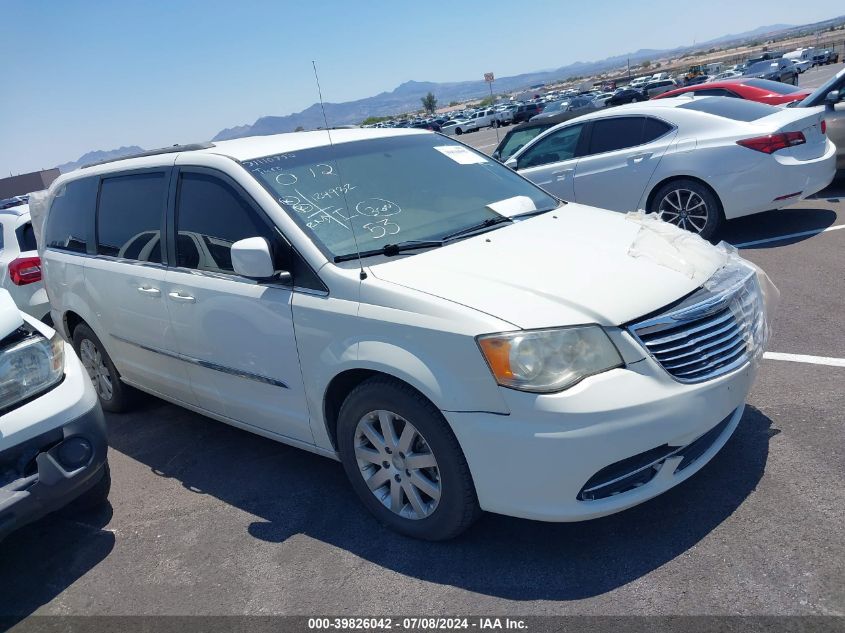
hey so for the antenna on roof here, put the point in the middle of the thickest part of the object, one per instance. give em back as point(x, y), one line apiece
point(351, 220)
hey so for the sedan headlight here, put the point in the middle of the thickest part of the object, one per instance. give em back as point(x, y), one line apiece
point(28, 367)
point(543, 361)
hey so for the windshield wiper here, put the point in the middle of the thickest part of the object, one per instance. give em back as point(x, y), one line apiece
point(531, 214)
point(390, 250)
point(499, 219)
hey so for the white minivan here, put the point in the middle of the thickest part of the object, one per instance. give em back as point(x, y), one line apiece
point(457, 337)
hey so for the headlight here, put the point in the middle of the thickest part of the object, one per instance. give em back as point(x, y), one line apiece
point(543, 361)
point(28, 367)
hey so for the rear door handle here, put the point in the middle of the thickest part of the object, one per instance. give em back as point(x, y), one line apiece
point(147, 290)
point(638, 158)
point(178, 296)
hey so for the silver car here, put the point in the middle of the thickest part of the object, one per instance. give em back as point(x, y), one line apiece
point(831, 95)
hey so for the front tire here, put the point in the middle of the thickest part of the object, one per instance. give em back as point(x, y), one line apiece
point(689, 205)
point(404, 462)
point(458, 131)
point(114, 396)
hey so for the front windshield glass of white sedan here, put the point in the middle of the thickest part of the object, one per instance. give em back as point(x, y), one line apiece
point(392, 190)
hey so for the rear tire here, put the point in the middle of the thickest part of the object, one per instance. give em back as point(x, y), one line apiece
point(114, 396)
point(689, 205)
point(385, 409)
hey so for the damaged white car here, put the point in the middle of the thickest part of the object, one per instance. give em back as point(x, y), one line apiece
point(460, 339)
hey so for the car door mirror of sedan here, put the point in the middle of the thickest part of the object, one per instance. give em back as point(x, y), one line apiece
point(251, 258)
point(832, 98)
point(511, 163)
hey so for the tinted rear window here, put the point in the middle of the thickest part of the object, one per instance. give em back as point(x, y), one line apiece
point(734, 109)
point(70, 221)
point(773, 86)
point(617, 133)
point(130, 214)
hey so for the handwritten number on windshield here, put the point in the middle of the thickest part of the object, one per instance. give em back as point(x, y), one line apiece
point(381, 228)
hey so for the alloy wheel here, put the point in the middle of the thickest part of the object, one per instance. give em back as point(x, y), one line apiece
point(684, 208)
point(397, 464)
point(96, 367)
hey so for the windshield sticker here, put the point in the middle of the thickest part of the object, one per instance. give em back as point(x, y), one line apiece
point(460, 154)
point(513, 206)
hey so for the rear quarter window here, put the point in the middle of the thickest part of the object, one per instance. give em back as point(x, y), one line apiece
point(26, 237)
point(70, 221)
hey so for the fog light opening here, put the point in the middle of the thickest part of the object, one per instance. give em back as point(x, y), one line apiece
point(74, 453)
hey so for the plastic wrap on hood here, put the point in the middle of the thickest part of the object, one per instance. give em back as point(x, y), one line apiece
point(735, 270)
point(756, 296)
point(39, 202)
point(670, 246)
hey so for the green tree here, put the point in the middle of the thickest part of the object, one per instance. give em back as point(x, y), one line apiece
point(429, 103)
point(374, 119)
point(646, 63)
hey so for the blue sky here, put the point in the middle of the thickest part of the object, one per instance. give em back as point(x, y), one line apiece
point(78, 76)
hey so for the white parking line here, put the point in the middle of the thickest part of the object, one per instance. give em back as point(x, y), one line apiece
point(486, 146)
point(802, 358)
point(789, 236)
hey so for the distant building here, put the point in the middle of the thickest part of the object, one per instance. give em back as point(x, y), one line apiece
point(26, 183)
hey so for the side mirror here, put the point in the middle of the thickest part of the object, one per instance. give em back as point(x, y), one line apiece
point(251, 258)
point(511, 163)
point(832, 98)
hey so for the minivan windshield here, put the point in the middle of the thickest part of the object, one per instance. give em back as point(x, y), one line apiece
point(415, 187)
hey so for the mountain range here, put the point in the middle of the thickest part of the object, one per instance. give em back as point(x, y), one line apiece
point(406, 97)
point(98, 155)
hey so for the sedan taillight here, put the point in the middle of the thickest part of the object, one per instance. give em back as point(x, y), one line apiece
point(824, 127)
point(25, 270)
point(773, 142)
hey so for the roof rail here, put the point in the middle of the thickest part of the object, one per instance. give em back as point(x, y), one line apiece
point(154, 152)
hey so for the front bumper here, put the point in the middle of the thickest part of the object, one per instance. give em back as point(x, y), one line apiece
point(536, 462)
point(32, 481)
point(35, 482)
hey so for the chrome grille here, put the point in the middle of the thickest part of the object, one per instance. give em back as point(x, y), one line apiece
point(711, 333)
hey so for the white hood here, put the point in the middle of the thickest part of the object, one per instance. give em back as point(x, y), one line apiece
point(574, 265)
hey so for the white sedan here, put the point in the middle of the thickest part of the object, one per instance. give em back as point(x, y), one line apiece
point(802, 65)
point(455, 126)
point(694, 161)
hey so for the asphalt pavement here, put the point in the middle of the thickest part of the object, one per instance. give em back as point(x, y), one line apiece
point(208, 519)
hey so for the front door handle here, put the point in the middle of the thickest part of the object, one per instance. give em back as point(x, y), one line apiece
point(147, 290)
point(561, 174)
point(178, 296)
